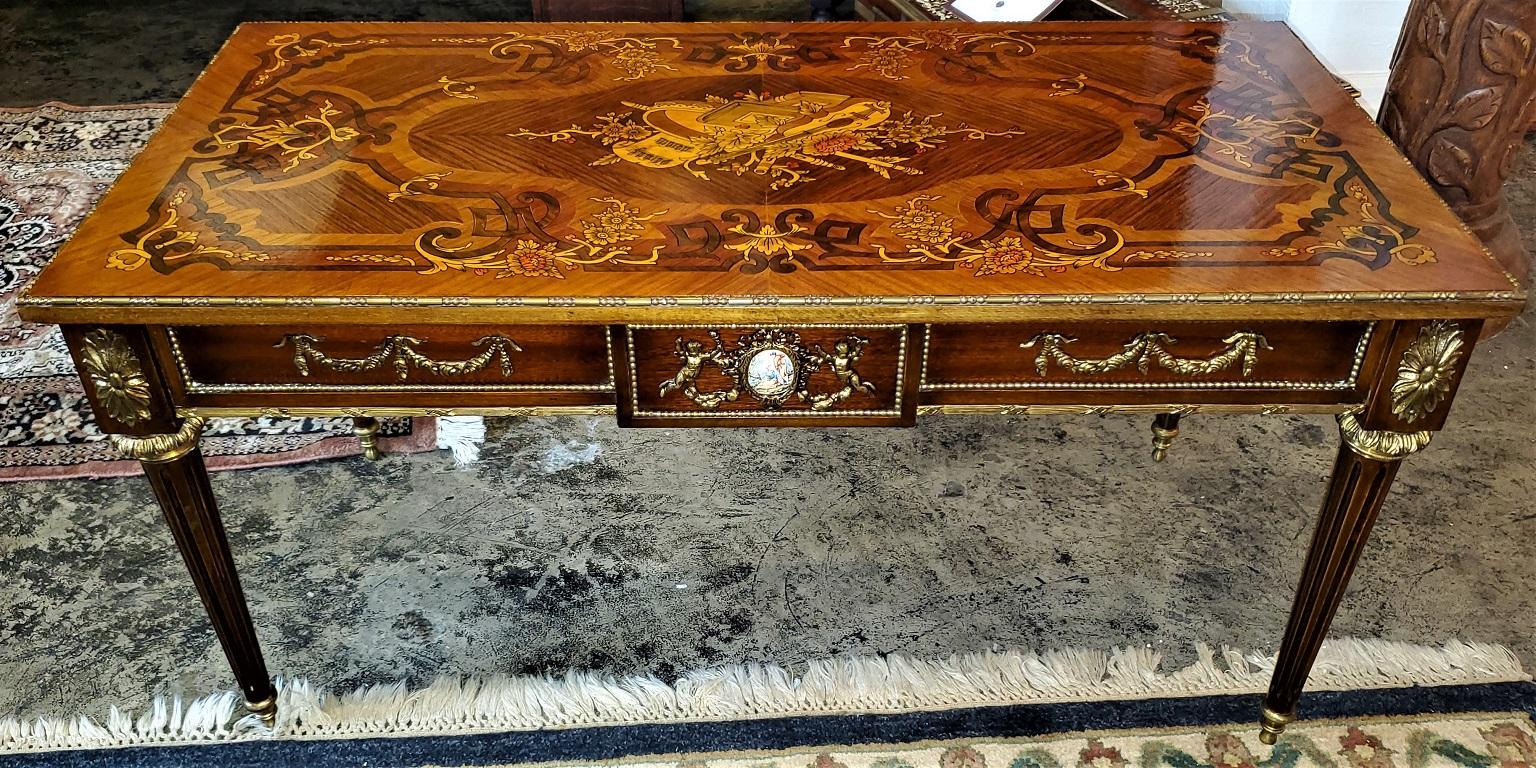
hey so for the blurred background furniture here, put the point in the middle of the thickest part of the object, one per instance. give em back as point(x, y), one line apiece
point(607, 10)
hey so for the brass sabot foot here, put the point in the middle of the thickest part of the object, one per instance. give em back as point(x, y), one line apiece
point(1272, 724)
point(1165, 427)
point(367, 431)
point(266, 709)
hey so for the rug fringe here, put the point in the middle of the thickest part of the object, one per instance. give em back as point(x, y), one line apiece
point(462, 435)
point(841, 685)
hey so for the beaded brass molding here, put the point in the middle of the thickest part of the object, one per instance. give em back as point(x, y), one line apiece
point(399, 351)
point(1379, 444)
point(1426, 371)
point(668, 302)
point(193, 386)
point(385, 411)
point(116, 375)
point(1147, 348)
point(213, 412)
point(1346, 384)
point(158, 449)
point(895, 410)
point(1182, 409)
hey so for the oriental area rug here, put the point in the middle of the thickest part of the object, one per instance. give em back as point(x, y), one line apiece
point(55, 162)
point(1373, 704)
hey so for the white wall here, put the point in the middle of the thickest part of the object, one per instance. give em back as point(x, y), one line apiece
point(1354, 38)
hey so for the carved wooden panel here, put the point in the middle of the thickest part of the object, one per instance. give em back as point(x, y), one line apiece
point(1461, 98)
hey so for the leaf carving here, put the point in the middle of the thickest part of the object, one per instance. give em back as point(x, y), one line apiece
point(1505, 49)
point(1450, 165)
point(1432, 28)
point(1476, 108)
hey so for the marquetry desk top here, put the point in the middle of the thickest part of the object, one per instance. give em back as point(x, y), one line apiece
point(374, 172)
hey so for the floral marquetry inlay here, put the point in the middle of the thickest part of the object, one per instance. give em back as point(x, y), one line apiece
point(793, 138)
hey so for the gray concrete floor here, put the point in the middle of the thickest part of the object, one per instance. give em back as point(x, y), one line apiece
point(575, 544)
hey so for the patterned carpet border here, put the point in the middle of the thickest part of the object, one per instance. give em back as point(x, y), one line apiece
point(56, 160)
point(1464, 726)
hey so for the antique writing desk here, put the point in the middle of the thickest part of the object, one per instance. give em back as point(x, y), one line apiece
point(720, 225)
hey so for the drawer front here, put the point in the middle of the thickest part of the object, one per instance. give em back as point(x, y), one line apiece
point(253, 359)
point(1211, 358)
point(730, 375)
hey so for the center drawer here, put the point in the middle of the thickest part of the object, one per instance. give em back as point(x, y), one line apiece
point(760, 375)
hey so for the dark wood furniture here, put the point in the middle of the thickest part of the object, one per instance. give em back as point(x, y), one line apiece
point(724, 225)
point(1461, 98)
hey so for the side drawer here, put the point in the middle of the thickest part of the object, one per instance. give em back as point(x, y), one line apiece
point(1211, 361)
point(254, 359)
point(738, 375)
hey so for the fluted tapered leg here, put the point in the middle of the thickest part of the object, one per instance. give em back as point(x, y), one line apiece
point(1362, 476)
point(180, 481)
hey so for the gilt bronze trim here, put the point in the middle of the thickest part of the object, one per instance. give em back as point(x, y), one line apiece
point(1380, 445)
point(1022, 409)
point(116, 375)
point(1145, 349)
point(399, 352)
point(159, 449)
point(1426, 370)
point(667, 302)
point(381, 412)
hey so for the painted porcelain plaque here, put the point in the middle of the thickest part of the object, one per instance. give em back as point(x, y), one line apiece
point(771, 374)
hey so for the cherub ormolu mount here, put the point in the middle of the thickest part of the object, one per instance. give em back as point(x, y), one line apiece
point(772, 365)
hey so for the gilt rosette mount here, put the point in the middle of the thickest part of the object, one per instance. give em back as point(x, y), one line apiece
point(771, 365)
